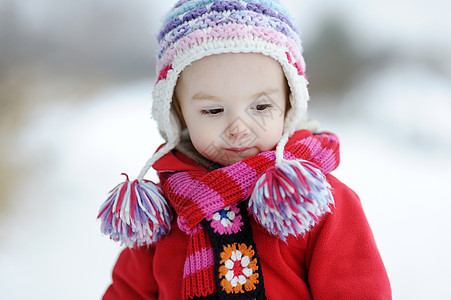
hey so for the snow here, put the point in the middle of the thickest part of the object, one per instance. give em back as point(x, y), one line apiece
point(395, 153)
point(377, 25)
point(54, 246)
point(395, 134)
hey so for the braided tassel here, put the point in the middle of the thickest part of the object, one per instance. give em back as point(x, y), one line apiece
point(290, 197)
point(135, 213)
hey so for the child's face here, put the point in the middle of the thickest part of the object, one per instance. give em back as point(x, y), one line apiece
point(233, 105)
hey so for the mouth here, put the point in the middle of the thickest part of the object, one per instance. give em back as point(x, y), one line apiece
point(237, 150)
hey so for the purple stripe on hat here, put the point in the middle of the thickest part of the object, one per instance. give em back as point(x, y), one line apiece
point(279, 19)
point(226, 6)
point(230, 31)
point(212, 20)
point(262, 9)
point(287, 20)
point(174, 23)
point(186, 6)
point(194, 14)
point(198, 261)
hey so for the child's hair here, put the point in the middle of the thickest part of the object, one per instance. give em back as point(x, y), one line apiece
point(194, 29)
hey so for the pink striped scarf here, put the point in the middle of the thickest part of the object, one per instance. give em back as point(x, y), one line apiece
point(222, 259)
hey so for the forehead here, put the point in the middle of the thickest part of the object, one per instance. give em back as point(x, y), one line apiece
point(242, 72)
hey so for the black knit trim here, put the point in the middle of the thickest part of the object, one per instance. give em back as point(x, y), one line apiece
point(244, 236)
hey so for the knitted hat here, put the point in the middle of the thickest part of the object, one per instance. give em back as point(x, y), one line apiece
point(194, 29)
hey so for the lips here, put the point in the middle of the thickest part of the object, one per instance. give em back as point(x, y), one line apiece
point(237, 150)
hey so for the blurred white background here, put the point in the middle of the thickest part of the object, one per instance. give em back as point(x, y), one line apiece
point(75, 97)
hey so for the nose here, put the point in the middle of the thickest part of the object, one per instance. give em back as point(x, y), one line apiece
point(238, 130)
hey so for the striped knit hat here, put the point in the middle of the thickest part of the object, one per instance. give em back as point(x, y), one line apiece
point(194, 29)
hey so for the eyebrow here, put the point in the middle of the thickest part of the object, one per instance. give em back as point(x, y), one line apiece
point(270, 91)
point(202, 96)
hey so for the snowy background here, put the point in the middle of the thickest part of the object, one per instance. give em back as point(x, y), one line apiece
point(380, 74)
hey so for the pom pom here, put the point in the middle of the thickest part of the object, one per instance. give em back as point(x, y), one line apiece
point(290, 197)
point(135, 213)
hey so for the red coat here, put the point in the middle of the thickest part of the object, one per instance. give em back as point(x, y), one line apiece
point(337, 259)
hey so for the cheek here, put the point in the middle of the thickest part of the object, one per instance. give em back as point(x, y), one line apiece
point(271, 134)
point(202, 134)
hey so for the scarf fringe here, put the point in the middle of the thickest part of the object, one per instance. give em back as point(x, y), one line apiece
point(135, 213)
point(290, 198)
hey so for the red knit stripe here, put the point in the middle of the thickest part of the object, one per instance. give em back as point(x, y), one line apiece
point(200, 281)
point(300, 151)
point(199, 284)
point(260, 163)
point(201, 240)
point(230, 194)
point(183, 204)
point(181, 200)
point(244, 182)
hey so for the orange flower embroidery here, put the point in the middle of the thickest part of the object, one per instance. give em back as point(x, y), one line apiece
point(238, 269)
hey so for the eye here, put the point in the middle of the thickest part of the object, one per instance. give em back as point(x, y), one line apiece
point(213, 111)
point(261, 107)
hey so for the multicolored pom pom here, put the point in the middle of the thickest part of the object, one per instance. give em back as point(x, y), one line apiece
point(290, 198)
point(135, 213)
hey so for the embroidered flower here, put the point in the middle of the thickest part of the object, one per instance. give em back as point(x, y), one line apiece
point(226, 220)
point(238, 268)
